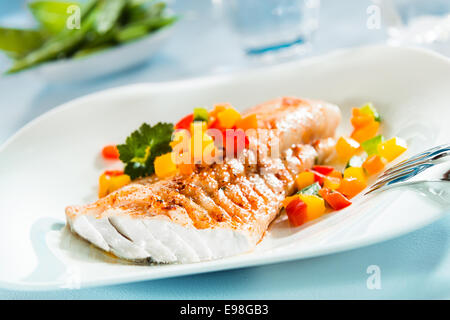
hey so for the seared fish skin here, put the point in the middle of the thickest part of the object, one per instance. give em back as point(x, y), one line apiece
point(220, 210)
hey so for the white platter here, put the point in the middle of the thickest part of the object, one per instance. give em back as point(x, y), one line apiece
point(103, 62)
point(54, 161)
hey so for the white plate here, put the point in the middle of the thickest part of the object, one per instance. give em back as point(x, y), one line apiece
point(54, 161)
point(103, 62)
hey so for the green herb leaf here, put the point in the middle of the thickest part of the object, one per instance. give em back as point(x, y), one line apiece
point(143, 146)
point(312, 190)
point(371, 146)
point(201, 114)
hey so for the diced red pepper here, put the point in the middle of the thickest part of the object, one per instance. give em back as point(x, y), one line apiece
point(110, 152)
point(335, 199)
point(297, 212)
point(325, 170)
point(185, 123)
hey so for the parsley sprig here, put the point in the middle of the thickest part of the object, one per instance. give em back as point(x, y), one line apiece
point(143, 146)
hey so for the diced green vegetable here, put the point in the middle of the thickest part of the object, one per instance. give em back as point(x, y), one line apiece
point(371, 146)
point(369, 109)
point(143, 146)
point(201, 114)
point(312, 190)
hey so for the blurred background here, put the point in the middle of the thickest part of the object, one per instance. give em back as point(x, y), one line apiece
point(212, 37)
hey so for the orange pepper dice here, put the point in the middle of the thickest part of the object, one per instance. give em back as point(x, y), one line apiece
point(346, 148)
point(374, 164)
point(354, 182)
point(165, 166)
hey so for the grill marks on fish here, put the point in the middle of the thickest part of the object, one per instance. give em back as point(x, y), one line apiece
point(221, 209)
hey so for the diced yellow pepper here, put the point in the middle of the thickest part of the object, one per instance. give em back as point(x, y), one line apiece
point(287, 200)
point(315, 206)
point(228, 118)
point(118, 182)
point(346, 148)
point(331, 183)
point(392, 148)
point(367, 132)
point(249, 122)
point(165, 166)
point(304, 179)
point(355, 172)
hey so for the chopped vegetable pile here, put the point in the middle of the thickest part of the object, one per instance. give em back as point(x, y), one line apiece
point(325, 188)
point(72, 30)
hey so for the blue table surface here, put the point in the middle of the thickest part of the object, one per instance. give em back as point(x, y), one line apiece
point(414, 266)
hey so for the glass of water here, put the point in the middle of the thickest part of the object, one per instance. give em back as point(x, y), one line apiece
point(273, 27)
point(418, 22)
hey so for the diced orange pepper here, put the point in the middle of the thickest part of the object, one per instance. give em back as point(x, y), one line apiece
point(304, 179)
point(315, 206)
point(374, 164)
point(228, 118)
point(248, 122)
point(331, 183)
point(288, 200)
point(367, 132)
point(186, 168)
point(392, 148)
point(346, 148)
point(350, 187)
point(165, 166)
point(218, 108)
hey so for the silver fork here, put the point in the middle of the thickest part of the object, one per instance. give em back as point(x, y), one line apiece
point(428, 171)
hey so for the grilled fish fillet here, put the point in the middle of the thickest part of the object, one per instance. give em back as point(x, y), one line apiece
point(221, 209)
